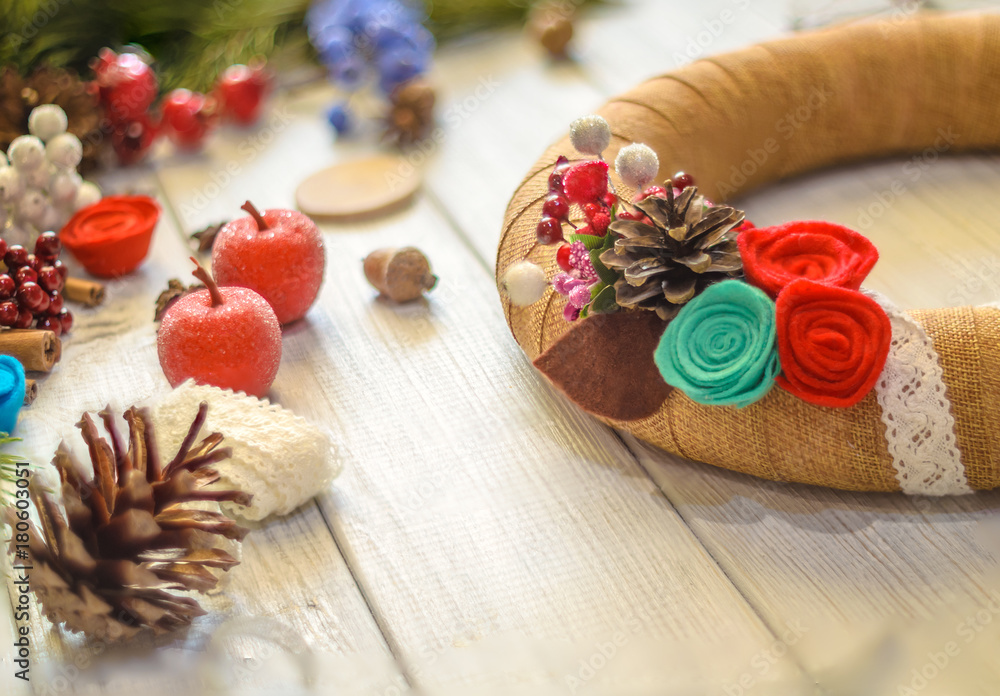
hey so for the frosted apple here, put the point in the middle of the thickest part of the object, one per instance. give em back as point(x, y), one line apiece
point(227, 337)
point(278, 254)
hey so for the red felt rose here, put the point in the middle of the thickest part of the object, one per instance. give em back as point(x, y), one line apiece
point(832, 343)
point(832, 254)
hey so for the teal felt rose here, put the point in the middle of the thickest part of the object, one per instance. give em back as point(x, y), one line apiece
point(721, 349)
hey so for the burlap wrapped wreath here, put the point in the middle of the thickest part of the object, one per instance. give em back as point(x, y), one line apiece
point(754, 116)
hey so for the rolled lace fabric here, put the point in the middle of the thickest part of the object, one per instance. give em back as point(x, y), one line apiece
point(279, 457)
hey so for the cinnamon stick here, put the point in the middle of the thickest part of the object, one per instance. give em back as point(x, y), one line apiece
point(30, 391)
point(86, 292)
point(37, 350)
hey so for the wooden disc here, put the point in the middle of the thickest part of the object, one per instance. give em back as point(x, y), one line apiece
point(361, 187)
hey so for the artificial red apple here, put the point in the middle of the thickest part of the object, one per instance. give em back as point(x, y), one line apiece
point(227, 337)
point(188, 117)
point(241, 92)
point(278, 254)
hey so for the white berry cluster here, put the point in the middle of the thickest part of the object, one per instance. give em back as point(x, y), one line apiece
point(39, 185)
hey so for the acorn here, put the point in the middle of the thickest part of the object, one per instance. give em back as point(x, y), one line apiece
point(401, 274)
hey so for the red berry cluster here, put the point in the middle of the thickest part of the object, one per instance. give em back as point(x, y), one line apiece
point(31, 289)
point(584, 184)
point(128, 88)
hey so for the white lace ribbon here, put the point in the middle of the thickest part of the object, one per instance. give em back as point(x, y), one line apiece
point(919, 427)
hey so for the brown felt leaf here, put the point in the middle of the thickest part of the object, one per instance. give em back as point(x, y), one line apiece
point(604, 364)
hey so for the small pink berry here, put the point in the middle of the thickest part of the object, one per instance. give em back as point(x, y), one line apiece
point(579, 296)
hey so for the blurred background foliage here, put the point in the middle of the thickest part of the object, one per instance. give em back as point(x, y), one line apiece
point(192, 41)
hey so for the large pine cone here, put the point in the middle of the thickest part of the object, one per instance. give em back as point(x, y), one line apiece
point(107, 569)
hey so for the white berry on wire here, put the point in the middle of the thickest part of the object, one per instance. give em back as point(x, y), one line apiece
point(65, 150)
point(63, 187)
point(26, 152)
point(32, 206)
point(87, 194)
point(11, 185)
point(38, 177)
point(590, 134)
point(47, 121)
point(637, 165)
point(525, 283)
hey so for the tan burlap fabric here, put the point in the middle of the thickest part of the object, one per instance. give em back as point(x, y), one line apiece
point(773, 111)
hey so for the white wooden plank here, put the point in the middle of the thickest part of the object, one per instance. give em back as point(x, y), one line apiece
point(847, 566)
point(501, 536)
point(292, 595)
point(502, 102)
point(623, 44)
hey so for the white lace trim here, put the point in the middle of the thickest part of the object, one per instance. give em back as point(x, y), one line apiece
point(278, 456)
point(919, 427)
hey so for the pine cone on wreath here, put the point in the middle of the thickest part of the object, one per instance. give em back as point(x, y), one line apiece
point(127, 539)
point(19, 95)
point(679, 249)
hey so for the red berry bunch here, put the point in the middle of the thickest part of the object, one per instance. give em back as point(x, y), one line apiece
point(31, 289)
point(128, 89)
point(584, 184)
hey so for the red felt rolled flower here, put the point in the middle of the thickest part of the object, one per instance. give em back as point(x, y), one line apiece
point(832, 343)
point(823, 252)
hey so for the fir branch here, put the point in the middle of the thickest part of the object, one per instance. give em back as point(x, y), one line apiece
point(194, 40)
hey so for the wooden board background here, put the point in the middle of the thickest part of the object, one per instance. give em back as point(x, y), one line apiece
point(486, 537)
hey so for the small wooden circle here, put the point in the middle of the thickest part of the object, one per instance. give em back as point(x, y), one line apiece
point(359, 188)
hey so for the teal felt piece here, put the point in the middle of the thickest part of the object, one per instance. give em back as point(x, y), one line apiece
point(721, 348)
point(11, 392)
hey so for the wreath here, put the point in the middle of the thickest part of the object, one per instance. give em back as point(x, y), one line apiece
point(667, 314)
